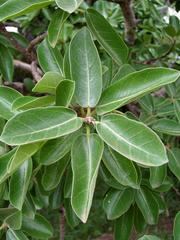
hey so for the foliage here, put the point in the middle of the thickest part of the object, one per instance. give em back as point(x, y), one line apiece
point(98, 114)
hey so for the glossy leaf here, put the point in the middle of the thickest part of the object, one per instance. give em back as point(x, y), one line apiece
point(55, 26)
point(149, 237)
point(66, 65)
point(49, 58)
point(107, 36)
point(53, 173)
point(6, 63)
point(68, 6)
point(123, 71)
point(27, 102)
point(134, 86)
point(148, 205)
point(14, 221)
point(64, 92)
point(121, 168)
point(174, 161)
point(15, 235)
point(11, 9)
point(157, 175)
point(71, 217)
point(116, 203)
point(19, 184)
point(85, 69)
point(7, 97)
point(132, 139)
point(139, 221)
point(7, 212)
point(86, 156)
point(177, 109)
point(123, 226)
point(48, 83)
point(176, 229)
point(48, 123)
point(38, 227)
point(167, 126)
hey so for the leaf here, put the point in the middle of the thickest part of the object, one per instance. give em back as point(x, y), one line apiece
point(123, 226)
point(68, 6)
point(116, 203)
point(149, 237)
point(148, 205)
point(11, 9)
point(139, 221)
point(55, 26)
point(167, 126)
point(7, 212)
point(132, 139)
point(107, 36)
point(64, 92)
point(22, 154)
point(177, 109)
point(86, 156)
point(85, 69)
point(7, 97)
point(28, 102)
point(48, 83)
point(6, 63)
point(157, 175)
point(14, 221)
point(66, 65)
point(55, 149)
point(15, 235)
point(121, 168)
point(68, 184)
point(48, 123)
point(38, 227)
point(174, 163)
point(19, 184)
point(134, 86)
point(176, 229)
point(123, 71)
point(53, 173)
point(71, 217)
point(49, 58)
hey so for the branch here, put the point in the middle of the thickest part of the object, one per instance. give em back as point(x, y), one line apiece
point(35, 41)
point(62, 223)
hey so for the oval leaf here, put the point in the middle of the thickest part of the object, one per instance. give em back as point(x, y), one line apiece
point(176, 229)
point(68, 6)
point(86, 156)
point(167, 126)
point(85, 69)
point(6, 63)
point(157, 175)
point(15, 235)
point(107, 36)
point(48, 123)
point(132, 139)
point(174, 163)
point(133, 86)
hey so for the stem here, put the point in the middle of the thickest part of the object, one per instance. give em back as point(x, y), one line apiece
point(88, 112)
point(62, 223)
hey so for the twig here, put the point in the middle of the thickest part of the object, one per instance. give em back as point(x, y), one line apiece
point(19, 86)
point(35, 41)
point(62, 223)
point(35, 71)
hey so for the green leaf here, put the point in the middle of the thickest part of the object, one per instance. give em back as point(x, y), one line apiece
point(11, 9)
point(49, 58)
point(123, 226)
point(148, 205)
point(55, 26)
point(149, 237)
point(48, 83)
point(68, 6)
point(157, 175)
point(176, 229)
point(86, 156)
point(15, 235)
point(107, 36)
point(68, 184)
point(64, 92)
point(53, 173)
point(71, 217)
point(116, 203)
point(132, 139)
point(139, 221)
point(14, 221)
point(19, 184)
point(121, 168)
point(55, 149)
point(177, 109)
point(123, 71)
point(7, 97)
point(48, 123)
point(66, 65)
point(85, 69)
point(21, 154)
point(28, 102)
point(38, 227)
point(174, 163)
point(7, 212)
point(167, 126)
point(6, 63)
point(134, 86)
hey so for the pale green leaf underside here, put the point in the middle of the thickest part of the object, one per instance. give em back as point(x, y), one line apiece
point(68, 5)
point(86, 156)
point(132, 139)
point(40, 124)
